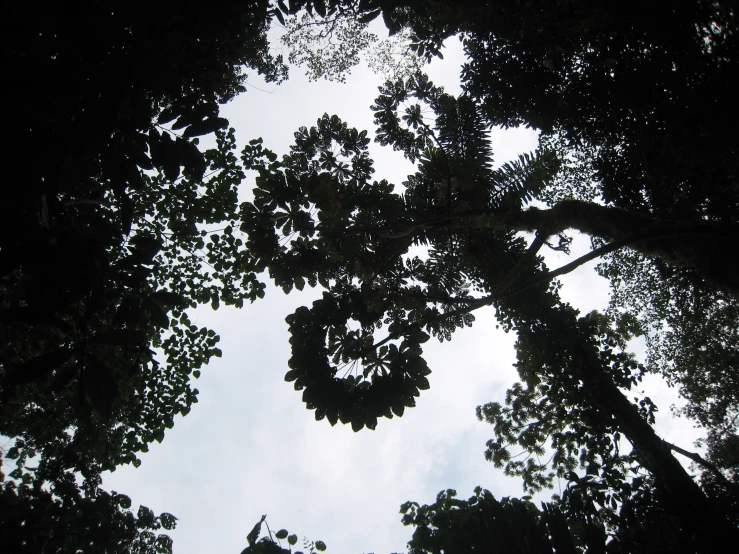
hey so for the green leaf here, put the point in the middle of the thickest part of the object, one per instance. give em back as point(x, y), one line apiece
point(126, 209)
point(320, 546)
point(133, 175)
point(292, 539)
point(369, 16)
point(254, 533)
point(156, 314)
point(145, 248)
point(281, 534)
point(279, 16)
point(121, 314)
point(123, 501)
point(98, 229)
point(141, 159)
point(169, 521)
point(121, 337)
point(320, 7)
point(158, 435)
point(205, 127)
point(166, 116)
point(100, 385)
point(169, 158)
point(192, 159)
point(168, 298)
point(37, 367)
point(63, 376)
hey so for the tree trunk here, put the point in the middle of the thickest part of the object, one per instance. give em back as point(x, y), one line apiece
point(564, 346)
point(706, 525)
point(707, 247)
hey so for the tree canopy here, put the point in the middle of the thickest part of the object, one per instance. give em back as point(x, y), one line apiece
point(120, 223)
point(97, 204)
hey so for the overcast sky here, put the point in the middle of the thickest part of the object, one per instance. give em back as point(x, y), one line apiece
point(249, 447)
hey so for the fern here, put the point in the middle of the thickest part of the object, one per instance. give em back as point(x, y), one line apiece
point(518, 182)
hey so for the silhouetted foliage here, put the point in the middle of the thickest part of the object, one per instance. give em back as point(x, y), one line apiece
point(108, 99)
point(115, 208)
point(317, 218)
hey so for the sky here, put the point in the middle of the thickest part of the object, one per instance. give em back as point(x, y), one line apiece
point(249, 447)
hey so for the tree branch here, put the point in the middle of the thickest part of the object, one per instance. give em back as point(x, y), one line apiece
point(525, 260)
point(698, 459)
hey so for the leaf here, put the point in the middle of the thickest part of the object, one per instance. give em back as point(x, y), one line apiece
point(158, 435)
point(63, 376)
point(155, 147)
point(123, 501)
point(156, 314)
point(98, 229)
point(133, 175)
point(254, 533)
point(369, 16)
point(100, 385)
point(39, 315)
point(292, 539)
point(121, 314)
point(320, 7)
point(365, 5)
point(146, 247)
point(299, 283)
point(205, 127)
point(196, 114)
point(192, 159)
point(168, 298)
point(281, 534)
point(169, 521)
point(126, 209)
point(320, 546)
point(169, 157)
point(120, 337)
point(166, 116)
point(279, 16)
point(141, 159)
point(37, 367)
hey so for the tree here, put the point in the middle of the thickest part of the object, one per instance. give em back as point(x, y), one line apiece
point(271, 542)
point(523, 63)
point(35, 520)
point(80, 359)
point(316, 218)
point(642, 87)
point(101, 166)
point(330, 40)
point(484, 524)
point(102, 243)
point(632, 97)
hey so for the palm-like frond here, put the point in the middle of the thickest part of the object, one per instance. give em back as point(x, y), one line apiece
point(519, 181)
point(463, 133)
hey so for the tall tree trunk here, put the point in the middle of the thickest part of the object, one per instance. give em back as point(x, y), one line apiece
point(706, 525)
